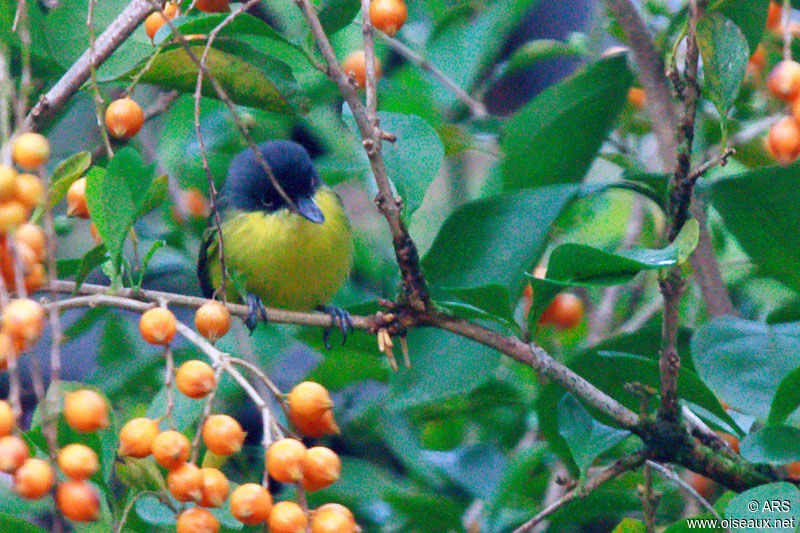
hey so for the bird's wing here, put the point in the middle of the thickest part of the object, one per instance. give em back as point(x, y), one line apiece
point(209, 252)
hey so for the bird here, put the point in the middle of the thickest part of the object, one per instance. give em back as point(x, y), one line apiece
point(292, 256)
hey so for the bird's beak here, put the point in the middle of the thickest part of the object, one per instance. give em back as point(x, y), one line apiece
point(309, 210)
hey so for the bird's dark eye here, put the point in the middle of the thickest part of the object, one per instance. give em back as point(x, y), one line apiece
point(267, 205)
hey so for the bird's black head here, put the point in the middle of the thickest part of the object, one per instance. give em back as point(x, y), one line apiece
point(249, 188)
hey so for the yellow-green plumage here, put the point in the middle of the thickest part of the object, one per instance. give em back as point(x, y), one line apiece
point(284, 259)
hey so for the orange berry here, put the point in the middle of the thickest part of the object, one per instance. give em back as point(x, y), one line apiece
point(185, 483)
point(388, 15)
point(285, 460)
point(784, 80)
point(212, 320)
point(8, 182)
point(195, 379)
point(564, 312)
point(78, 501)
point(637, 97)
point(155, 20)
point(13, 452)
point(86, 410)
point(321, 468)
point(703, 485)
point(32, 236)
point(171, 449)
point(7, 418)
point(23, 319)
point(215, 487)
point(7, 350)
point(158, 326)
point(12, 214)
point(196, 520)
point(124, 118)
point(732, 441)
point(223, 435)
point(137, 436)
point(308, 401)
point(774, 15)
point(29, 190)
point(318, 427)
point(251, 504)
point(31, 150)
point(331, 521)
point(78, 461)
point(95, 234)
point(195, 202)
point(33, 479)
point(783, 141)
point(355, 68)
point(36, 277)
point(757, 61)
point(337, 508)
point(287, 517)
point(793, 470)
point(213, 6)
point(76, 199)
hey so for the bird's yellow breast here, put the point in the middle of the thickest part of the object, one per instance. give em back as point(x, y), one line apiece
point(286, 260)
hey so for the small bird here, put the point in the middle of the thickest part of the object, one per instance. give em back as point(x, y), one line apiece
point(289, 257)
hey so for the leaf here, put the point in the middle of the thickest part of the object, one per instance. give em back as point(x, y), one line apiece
point(12, 523)
point(154, 197)
point(477, 468)
point(760, 209)
point(187, 412)
point(116, 197)
point(535, 51)
point(749, 15)
point(249, 76)
point(555, 137)
point(629, 525)
point(154, 512)
point(586, 437)
point(744, 362)
point(494, 241)
point(775, 501)
point(91, 260)
point(66, 173)
point(413, 161)
point(336, 14)
point(777, 444)
point(786, 399)
point(724, 50)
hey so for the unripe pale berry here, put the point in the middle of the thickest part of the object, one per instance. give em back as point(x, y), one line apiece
point(223, 435)
point(32, 236)
point(29, 190)
point(215, 487)
point(321, 468)
point(212, 320)
point(195, 379)
point(23, 320)
point(783, 141)
point(388, 15)
point(285, 459)
point(136, 437)
point(13, 453)
point(331, 521)
point(124, 118)
point(158, 326)
point(78, 461)
point(784, 80)
point(185, 483)
point(7, 419)
point(355, 68)
point(196, 520)
point(171, 449)
point(86, 410)
point(8, 182)
point(31, 150)
point(33, 479)
point(287, 517)
point(78, 501)
point(76, 199)
point(251, 504)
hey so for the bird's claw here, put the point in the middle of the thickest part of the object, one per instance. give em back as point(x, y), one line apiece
point(256, 311)
point(337, 315)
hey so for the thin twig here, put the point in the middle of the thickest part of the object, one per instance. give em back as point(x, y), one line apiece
point(675, 478)
point(206, 412)
point(786, 13)
point(371, 85)
point(169, 377)
point(98, 99)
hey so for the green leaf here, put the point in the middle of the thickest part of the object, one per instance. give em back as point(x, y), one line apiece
point(336, 14)
point(116, 197)
point(493, 242)
point(586, 437)
point(535, 51)
point(749, 15)
point(66, 173)
point(250, 77)
point(786, 399)
point(760, 209)
point(555, 137)
point(744, 362)
point(725, 52)
point(629, 525)
point(154, 197)
point(775, 501)
point(91, 260)
point(17, 525)
point(776, 444)
point(187, 412)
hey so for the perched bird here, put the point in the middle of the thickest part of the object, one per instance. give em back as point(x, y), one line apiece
point(292, 257)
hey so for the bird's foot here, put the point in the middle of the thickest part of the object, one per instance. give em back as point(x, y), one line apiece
point(337, 315)
point(256, 311)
